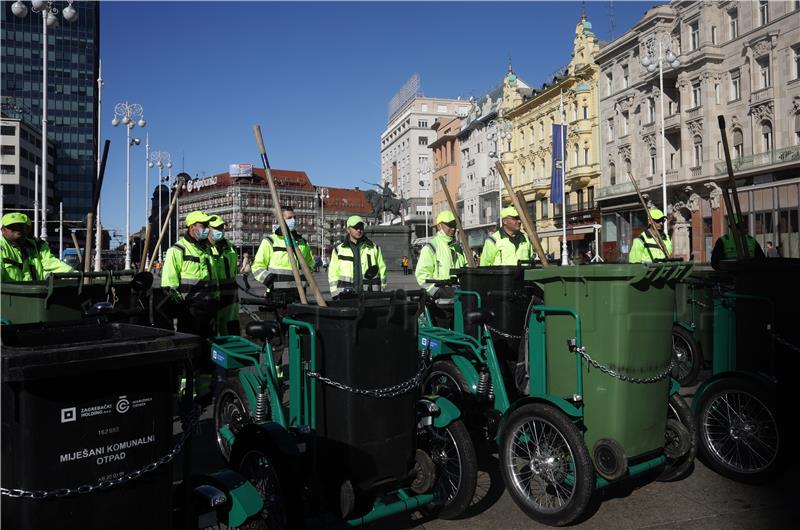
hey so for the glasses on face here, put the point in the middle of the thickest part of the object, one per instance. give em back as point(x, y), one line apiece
point(659, 221)
point(359, 226)
point(451, 224)
point(515, 217)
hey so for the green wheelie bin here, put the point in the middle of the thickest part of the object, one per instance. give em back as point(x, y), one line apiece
point(625, 314)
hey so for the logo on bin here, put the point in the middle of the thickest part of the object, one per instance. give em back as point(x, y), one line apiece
point(123, 405)
point(69, 414)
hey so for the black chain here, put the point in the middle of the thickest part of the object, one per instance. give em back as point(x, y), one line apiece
point(380, 393)
point(189, 426)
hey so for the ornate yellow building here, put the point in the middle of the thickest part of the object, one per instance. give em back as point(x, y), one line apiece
point(527, 156)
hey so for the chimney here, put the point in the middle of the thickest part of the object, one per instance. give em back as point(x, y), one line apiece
point(357, 188)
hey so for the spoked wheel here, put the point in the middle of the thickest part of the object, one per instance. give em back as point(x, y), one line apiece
point(456, 467)
point(545, 464)
point(445, 379)
point(230, 410)
point(256, 467)
point(738, 431)
point(687, 360)
point(680, 440)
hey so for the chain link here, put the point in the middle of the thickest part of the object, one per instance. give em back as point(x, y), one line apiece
point(623, 377)
point(189, 426)
point(699, 303)
point(380, 393)
point(503, 333)
point(785, 342)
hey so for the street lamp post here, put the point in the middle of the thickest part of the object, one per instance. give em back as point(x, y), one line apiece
point(126, 113)
point(649, 61)
point(499, 130)
point(49, 20)
point(322, 194)
point(160, 159)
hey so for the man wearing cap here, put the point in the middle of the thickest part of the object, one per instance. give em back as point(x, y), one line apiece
point(188, 273)
point(645, 248)
point(25, 259)
point(356, 262)
point(509, 245)
point(271, 265)
point(725, 246)
point(440, 256)
point(225, 266)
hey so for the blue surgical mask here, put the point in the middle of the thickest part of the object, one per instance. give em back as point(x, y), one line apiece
point(291, 224)
point(217, 235)
point(202, 234)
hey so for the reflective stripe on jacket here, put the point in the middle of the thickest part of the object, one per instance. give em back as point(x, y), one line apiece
point(341, 270)
point(272, 261)
point(189, 269)
point(436, 259)
point(31, 261)
point(500, 249)
point(729, 246)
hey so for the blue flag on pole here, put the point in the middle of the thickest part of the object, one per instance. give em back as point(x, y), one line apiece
point(557, 179)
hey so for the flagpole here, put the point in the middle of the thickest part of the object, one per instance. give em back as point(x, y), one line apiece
point(564, 257)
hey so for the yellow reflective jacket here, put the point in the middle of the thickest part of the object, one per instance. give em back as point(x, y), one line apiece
point(31, 261)
point(436, 259)
point(225, 269)
point(341, 272)
point(189, 270)
point(501, 249)
point(645, 248)
point(271, 265)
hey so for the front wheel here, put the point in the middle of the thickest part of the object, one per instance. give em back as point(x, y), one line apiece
point(446, 380)
point(687, 359)
point(680, 440)
point(256, 466)
point(230, 413)
point(545, 464)
point(456, 467)
point(738, 430)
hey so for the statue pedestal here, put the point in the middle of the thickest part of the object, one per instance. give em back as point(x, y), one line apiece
point(395, 242)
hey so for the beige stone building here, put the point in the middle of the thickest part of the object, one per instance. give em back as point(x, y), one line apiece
point(740, 60)
point(528, 156)
point(446, 150)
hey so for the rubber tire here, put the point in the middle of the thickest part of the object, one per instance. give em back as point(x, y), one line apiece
point(678, 409)
point(456, 506)
point(695, 356)
point(448, 369)
point(230, 387)
point(707, 455)
point(584, 470)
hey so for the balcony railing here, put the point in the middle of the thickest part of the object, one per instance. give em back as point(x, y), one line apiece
point(761, 95)
point(693, 113)
point(492, 187)
point(541, 183)
point(622, 188)
point(784, 155)
point(672, 121)
point(696, 171)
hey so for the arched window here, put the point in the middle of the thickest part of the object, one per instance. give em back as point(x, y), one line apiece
point(738, 143)
point(612, 173)
point(652, 161)
point(533, 169)
point(627, 167)
point(766, 136)
point(586, 154)
point(576, 155)
point(698, 150)
point(797, 129)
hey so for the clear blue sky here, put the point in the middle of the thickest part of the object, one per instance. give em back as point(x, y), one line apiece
point(316, 76)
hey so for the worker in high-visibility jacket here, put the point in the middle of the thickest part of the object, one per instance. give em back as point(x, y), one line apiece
point(438, 257)
point(645, 248)
point(225, 268)
point(725, 246)
point(25, 258)
point(271, 265)
point(188, 275)
point(356, 263)
point(509, 245)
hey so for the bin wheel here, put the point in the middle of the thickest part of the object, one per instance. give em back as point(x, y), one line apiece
point(456, 463)
point(446, 380)
point(260, 470)
point(687, 359)
point(680, 467)
point(545, 464)
point(738, 431)
point(230, 410)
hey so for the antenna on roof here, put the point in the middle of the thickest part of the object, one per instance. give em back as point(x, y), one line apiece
point(612, 21)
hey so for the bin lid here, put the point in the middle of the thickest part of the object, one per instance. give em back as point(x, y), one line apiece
point(629, 272)
point(761, 265)
point(493, 270)
point(58, 349)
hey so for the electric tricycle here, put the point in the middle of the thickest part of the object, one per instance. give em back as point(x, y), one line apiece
point(348, 438)
point(590, 409)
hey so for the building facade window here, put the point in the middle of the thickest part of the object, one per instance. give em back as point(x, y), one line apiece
point(576, 155)
point(733, 24)
point(651, 110)
point(652, 161)
point(575, 111)
point(612, 173)
point(586, 161)
point(698, 151)
point(764, 80)
point(736, 86)
point(625, 78)
point(609, 82)
point(543, 208)
point(625, 123)
point(713, 34)
point(738, 144)
point(585, 112)
point(694, 30)
point(763, 12)
point(716, 93)
point(628, 167)
point(766, 136)
point(796, 62)
point(610, 129)
point(797, 129)
point(696, 95)
point(423, 140)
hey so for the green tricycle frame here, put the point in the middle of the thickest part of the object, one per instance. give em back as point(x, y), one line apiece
point(467, 370)
point(274, 445)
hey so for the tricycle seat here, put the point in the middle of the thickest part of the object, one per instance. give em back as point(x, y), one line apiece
point(263, 329)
